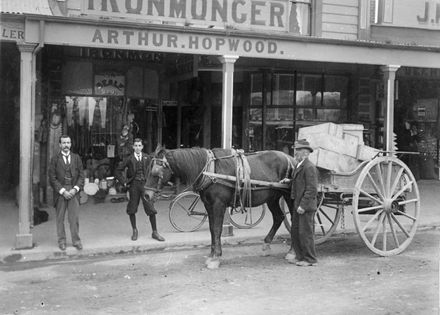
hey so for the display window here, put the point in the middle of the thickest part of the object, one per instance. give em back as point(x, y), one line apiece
point(283, 102)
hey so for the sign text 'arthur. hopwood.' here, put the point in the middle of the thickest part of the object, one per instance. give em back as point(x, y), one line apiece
point(240, 14)
point(156, 40)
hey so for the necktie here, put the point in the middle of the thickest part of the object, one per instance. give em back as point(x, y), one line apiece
point(66, 159)
point(139, 157)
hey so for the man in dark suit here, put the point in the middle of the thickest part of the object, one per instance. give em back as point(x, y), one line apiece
point(304, 190)
point(66, 176)
point(137, 170)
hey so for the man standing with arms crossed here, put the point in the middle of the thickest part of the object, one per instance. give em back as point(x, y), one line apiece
point(137, 170)
point(66, 176)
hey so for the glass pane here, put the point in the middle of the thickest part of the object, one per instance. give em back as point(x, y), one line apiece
point(256, 89)
point(255, 129)
point(309, 90)
point(335, 91)
point(279, 114)
point(299, 20)
point(332, 115)
point(283, 89)
point(305, 114)
point(279, 129)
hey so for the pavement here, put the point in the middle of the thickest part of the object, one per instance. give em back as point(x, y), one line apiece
point(105, 229)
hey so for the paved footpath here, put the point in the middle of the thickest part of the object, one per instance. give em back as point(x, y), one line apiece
point(105, 229)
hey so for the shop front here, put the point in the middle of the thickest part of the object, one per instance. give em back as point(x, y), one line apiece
point(245, 75)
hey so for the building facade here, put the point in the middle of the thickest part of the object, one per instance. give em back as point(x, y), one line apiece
point(211, 73)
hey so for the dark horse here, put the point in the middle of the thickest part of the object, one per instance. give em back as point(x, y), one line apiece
point(218, 194)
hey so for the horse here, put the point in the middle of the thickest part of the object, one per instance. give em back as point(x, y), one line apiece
point(189, 165)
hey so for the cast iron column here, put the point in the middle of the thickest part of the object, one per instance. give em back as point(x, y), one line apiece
point(24, 236)
point(389, 73)
point(227, 109)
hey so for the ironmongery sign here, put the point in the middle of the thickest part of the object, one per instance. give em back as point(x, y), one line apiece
point(240, 14)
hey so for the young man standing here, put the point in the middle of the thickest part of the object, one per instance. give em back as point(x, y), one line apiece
point(137, 170)
point(66, 177)
point(304, 190)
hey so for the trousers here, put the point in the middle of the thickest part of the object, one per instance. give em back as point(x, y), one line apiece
point(303, 233)
point(72, 208)
point(137, 193)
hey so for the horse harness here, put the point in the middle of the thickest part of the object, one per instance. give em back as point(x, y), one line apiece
point(242, 185)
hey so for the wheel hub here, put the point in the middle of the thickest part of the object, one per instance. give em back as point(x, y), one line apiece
point(390, 206)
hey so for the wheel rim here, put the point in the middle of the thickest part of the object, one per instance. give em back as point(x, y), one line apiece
point(386, 206)
point(327, 217)
point(248, 218)
point(187, 213)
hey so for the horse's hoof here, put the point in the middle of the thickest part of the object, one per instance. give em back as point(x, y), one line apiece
point(212, 263)
point(290, 256)
point(266, 250)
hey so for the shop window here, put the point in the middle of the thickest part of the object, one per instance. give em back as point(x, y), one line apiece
point(319, 98)
point(94, 123)
point(300, 17)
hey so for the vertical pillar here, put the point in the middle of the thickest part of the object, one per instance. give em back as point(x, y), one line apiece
point(227, 109)
point(24, 236)
point(227, 97)
point(389, 74)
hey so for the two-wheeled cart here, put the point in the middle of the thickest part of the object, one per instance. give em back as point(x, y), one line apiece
point(384, 200)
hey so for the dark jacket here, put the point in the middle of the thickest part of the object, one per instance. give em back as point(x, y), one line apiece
point(129, 163)
point(304, 188)
point(57, 171)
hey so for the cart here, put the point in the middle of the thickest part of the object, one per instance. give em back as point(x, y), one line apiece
point(384, 200)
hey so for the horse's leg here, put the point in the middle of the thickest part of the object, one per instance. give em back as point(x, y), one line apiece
point(290, 256)
point(278, 217)
point(218, 209)
point(210, 212)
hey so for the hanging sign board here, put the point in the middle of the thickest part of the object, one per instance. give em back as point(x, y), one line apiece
point(109, 84)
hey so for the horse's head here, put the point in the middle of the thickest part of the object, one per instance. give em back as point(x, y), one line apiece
point(159, 173)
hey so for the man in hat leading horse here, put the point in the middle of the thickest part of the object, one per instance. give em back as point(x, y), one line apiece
point(137, 165)
point(304, 190)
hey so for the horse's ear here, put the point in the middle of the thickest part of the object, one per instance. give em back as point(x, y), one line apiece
point(158, 149)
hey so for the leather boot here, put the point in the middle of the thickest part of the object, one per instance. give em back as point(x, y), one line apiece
point(157, 236)
point(134, 237)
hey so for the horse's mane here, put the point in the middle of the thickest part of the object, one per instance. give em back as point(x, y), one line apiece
point(187, 164)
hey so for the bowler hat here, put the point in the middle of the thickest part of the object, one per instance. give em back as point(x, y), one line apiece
point(302, 144)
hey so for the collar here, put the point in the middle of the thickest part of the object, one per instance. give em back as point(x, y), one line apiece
point(299, 164)
point(64, 154)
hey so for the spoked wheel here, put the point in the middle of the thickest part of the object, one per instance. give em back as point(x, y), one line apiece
point(247, 218)
point(187, 212)
point(326, 217)
point(386, 206)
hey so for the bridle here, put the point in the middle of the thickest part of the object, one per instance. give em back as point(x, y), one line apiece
point(163, 163)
